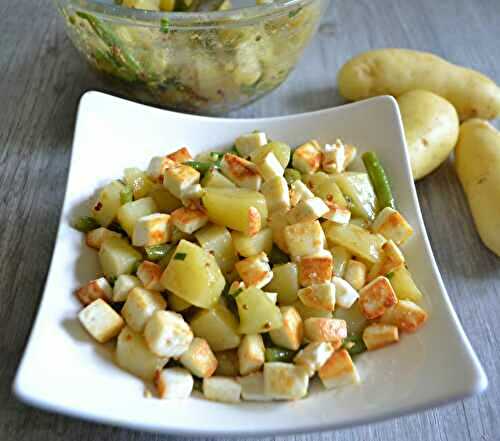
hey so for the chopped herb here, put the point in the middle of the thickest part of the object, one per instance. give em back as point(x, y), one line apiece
point(237, 292)
point(180, 256)
point(354, 344)
point(157, 252)
point(126, 195)
point(279, 354)
point(292, 14)
point(390, 275)
point(85, 224)
point(164, 25)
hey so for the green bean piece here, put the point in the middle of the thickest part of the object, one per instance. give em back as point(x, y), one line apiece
point(379, 180)
point(117, 49)
point(126, 195)
point(277, 257)
point(202, 167)
point(354, 344)
point(85, 224)
point(279, 354)
point(157, 252)
point(292, 175)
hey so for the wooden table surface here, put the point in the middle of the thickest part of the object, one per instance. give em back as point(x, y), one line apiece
point(41, 80)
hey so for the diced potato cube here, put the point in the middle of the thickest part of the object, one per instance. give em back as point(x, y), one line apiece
point(252, 387)
point(269, 167)
point(255, 270)
point(218, 326)
point(339, 371)
point(376, 297)
point(108, 203)
point(139, 182)
point(340, 258)
point(131, 212)
point(237, 208)
point(378, 335)
point(406, 315)
point(223, 389)
point(275, 190)
point(403, 285)
point(391, 260)
point(153, 229)
point(133, 355)
point(240, 171)
point(116, 257)
point(307, 210)
point(337, 214)
point(285, 282)
point(307, 157)
point(199, 358)
point(246, 144)
point(180, 155)
point(193, 275)
point(178, 179)
point(315, 268)
point(357, 240)
point(291, 334)
point(177, 304)
point(285, 381)
point(140, 306)
point(227, 363)
point(149, 274)
point(95, 238)
point(167, 334)
point(392, 225)
point(123, 285)
point(308, 312)
point(101, 321)
point(188, 221)
point(299, 192)
point(355, 274)
point(251, 353)
point(95, 289)
point(257, 313)
point(325, 329)
point(355, 320)
point(279, 149)
point(319, 296)
point(214, 178)
point(333, 160)
point(174, 383)
point(357, 188)
point(345, 294)
point(246, 246)
point(157, 167)
point(165, 201)
point(277, 223)
point(314, 356)
point(304, 238)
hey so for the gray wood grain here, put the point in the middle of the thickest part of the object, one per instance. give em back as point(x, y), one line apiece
point(41, 81)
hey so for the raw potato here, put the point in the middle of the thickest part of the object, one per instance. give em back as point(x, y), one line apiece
point(397, 71)
point(431, 129)
point(478, 166)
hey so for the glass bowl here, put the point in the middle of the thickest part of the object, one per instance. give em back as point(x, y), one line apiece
point(198, 62)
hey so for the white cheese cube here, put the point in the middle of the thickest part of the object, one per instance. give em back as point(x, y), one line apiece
point(406, 315)
point(174, 383)
point(307, 157)
point(317, 329)
point(315, 269)
point(304, 238)
point(337, 214)
point(355, 273)
point(188, 221)
point(246, 144)
point(392, 225)
point(179, 179)
point(226, 390)
point(252, 387)
point(307, 210)
point(277, 222)
point(339, 371)
point(378, 335)
point(275, 190)
point(376, 297)
point(314, 356)
point(101, 321)
point(291, 334)
point(123, 285)
point(240, 171)
point(167, 334)
point(140, 306)
point(199, 358)
point(95, 238)
point(269, 167)
point(345, 294)
point(319, 296)
point(149, 273)
point(157, 167)
point(192, 195)
point(255, 270)
point(247, 246)
point(180, 155)
point(334, 157)
point(251, 353)
point(299, 192)
point(392, 260)
point(95, 289)
point(153, 229)
point(285, 381)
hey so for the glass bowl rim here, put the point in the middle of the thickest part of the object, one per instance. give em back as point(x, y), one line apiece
point(186, 20)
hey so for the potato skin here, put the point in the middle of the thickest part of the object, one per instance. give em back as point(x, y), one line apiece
point(396, 71)
point(431, 129)
point(477, 160)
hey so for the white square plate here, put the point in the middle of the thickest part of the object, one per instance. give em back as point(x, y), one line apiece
point(64, 371)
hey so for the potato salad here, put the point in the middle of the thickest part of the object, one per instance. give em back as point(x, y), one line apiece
point(247, 273)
